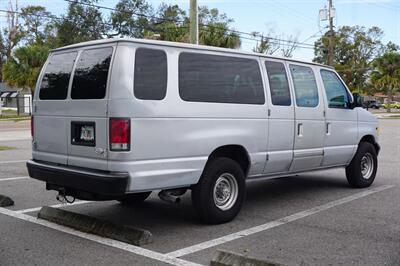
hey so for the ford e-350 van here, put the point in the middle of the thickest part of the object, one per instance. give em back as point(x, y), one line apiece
point(117, 119)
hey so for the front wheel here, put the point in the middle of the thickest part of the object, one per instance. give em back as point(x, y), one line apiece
point(361, 171)
point(219, 195)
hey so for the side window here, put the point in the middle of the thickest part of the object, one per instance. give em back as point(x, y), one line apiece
point(150, 74)
point(54, 85)
point(222, 79)
point(278, 83)
point(336, 92)
point(305, 86)
point(91, 73)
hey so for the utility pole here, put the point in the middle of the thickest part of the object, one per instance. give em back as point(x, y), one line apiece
point(331, 40)
point(194, 22)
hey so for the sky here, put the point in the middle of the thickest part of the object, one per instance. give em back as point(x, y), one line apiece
point(281, 17)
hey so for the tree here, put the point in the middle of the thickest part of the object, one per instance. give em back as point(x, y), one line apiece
point(23, 67)
point(37, 27)
point(131, 18)
point(386, 74)
point(271, 44)
point(355, 48)
point(83, 22)
point(214, 29)
point(171, 23)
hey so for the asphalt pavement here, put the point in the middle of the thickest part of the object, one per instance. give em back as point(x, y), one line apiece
point(308, 219)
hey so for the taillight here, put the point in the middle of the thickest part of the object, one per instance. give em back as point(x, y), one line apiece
point(120, 132)
point(32, 127)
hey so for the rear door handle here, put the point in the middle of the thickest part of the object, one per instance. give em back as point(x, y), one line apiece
point(300, 129)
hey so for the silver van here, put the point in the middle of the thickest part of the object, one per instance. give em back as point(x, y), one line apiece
point(117, 119)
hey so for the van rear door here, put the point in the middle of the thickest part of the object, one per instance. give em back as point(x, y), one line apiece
point(50, 140)
point(87, 120)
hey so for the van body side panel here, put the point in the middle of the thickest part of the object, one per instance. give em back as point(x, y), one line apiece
point(171, 139)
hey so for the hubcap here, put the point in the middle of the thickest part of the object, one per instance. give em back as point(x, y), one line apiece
point(367, 165)
point(225, 191)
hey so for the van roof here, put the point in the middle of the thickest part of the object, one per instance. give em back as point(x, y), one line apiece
point(180, 45)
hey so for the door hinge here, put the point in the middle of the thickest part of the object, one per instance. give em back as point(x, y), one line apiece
point(267, 157)
point(269, 112)
point(324, 113)
point(35, 108)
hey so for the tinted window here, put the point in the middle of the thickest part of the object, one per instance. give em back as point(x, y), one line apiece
point(305, 86)
point(278, 83)
point(211, 78)
point(336, 92)
point(90, 78)
point(150, 74)
point(54, 85)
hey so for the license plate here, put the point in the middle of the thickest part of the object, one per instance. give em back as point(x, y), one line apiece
point(83, 133)
point(87, 133)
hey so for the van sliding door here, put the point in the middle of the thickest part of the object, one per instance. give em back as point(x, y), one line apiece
point(281, 119)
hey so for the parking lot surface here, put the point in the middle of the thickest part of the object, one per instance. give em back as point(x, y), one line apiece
point(308, 219)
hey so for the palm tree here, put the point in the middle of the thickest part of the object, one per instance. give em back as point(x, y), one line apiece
point(386, 74)
point(23, 67)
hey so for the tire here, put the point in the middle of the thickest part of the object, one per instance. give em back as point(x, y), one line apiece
point(213, 207)
point(362, 169)
point(134, 199)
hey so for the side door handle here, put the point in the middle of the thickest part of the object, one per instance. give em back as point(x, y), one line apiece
point(300, 129)
point(328, 128)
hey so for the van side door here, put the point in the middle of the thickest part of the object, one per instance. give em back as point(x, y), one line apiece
point(281, 118)
point(341, 121)
point(309, 115)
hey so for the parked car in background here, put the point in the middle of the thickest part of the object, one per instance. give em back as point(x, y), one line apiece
point(373, 104)
point(392, 105)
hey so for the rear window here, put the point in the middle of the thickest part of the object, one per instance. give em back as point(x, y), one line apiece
point(150, 74)
point(91, 72)
point(54, 85)
point(222, 79)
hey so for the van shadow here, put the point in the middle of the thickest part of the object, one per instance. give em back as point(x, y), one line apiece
point(262, 197)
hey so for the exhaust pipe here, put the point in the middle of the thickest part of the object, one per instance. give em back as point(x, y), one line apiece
point(172, 195)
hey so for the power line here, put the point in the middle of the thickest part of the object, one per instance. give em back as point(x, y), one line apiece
point(200, 24)
point(272, 40)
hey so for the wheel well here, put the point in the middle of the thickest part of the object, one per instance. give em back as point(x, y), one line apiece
point(235, 152)
point(371, 139)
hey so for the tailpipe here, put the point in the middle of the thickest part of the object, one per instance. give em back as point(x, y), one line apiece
point(172, 195)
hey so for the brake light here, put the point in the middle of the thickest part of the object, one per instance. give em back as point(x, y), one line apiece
point(120, 132)
point(32, 127)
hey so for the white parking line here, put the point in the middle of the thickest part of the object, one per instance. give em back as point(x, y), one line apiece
point(16, 161)
point(273, 224)
point(14, 178)
point(54, 206)
point(105, 241)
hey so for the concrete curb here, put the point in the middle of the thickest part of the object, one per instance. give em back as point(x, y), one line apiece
point(5, 201)
point(96, 226)
point(227, 258)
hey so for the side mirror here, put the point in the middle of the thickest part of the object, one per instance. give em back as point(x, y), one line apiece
point(357, 101)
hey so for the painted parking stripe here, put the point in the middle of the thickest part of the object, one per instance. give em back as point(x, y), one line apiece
point(54, 206)
point(273, 224)
point(15, 161)
point(101, 240)
point(14, 178)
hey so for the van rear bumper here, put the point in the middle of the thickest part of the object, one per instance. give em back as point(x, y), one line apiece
point(79, 182)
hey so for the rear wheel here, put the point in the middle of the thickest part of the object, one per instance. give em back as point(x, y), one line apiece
point(220, 192)
point(361, 171)
point(136, 198)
